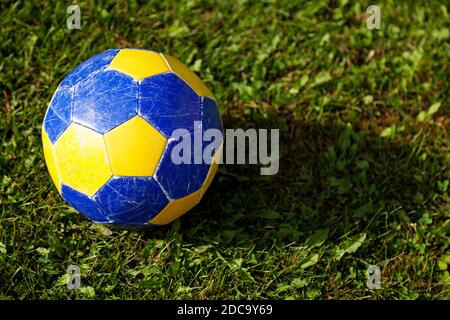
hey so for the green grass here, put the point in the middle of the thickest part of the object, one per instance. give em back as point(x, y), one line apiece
point(364, 170)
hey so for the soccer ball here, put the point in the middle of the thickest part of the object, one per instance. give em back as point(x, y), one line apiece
point(108, 137)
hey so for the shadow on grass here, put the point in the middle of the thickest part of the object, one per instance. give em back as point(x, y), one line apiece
point(330, 177)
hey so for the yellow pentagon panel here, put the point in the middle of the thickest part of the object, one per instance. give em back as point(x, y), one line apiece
point(138, 64)
point(50, 161)
point(176, 208)
point(212, 170)
point(82, 159)
point(134, 148)
point(188, 76)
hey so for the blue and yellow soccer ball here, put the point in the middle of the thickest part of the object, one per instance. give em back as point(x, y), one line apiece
point(107, 137)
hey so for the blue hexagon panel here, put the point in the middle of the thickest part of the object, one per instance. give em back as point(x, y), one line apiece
point(128, 200)
point(89, 67)
point(182, 177)
point(168, 103)
point(105, 100)
point(59, 114)
point(82, 203)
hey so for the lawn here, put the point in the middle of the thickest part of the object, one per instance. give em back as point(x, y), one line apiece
point(364, 175)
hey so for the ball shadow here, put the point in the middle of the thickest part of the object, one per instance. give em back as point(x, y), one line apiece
point(330, 176)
